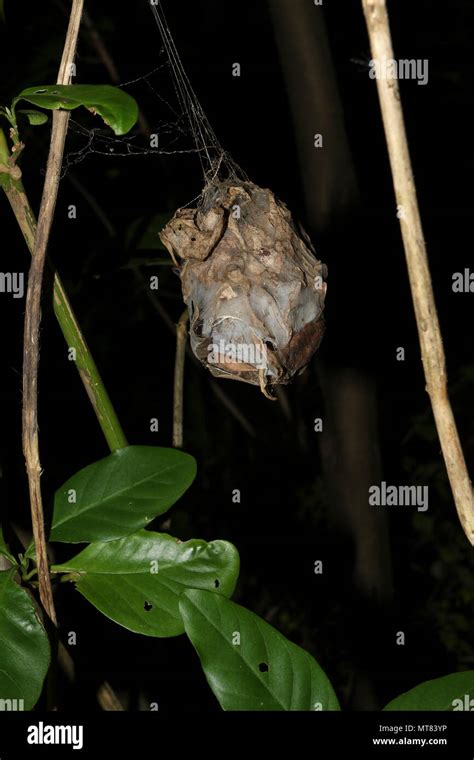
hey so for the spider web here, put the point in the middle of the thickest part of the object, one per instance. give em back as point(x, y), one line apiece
point(182, 129)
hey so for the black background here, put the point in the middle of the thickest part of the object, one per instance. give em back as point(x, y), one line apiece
point(280, 526)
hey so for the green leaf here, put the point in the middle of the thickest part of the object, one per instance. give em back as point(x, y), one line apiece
point(30, 551)
point(117, 108)
point(34, 117)
point(24, 650)
point(120, 494)
point(4, 550)
point(137, 581)
point(451, 692)
point(249, 665)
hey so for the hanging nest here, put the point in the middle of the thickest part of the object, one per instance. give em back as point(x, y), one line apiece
point(253, 285)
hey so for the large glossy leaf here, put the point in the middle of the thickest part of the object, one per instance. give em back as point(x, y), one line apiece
point(120, 494)
point(24, 647)
point(137, 581)
point(117, 108)
point(249, 665)
point(452, 692)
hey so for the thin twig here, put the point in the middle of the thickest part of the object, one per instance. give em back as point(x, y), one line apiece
point(89, 373)
point(429, 333)
point(33, 317)
point(181, 336)
point(215, 387)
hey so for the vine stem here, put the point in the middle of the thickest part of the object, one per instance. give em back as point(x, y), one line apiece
point(431, 343)
point(70, 327)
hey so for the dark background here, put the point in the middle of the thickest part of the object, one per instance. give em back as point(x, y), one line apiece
point(281, 526)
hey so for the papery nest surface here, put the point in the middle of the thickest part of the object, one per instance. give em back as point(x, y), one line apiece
point(253, 285)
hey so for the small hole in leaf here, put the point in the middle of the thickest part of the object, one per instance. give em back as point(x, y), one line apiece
point(217, 583)
point(147, 606)
point(40, 92)
point(263, 667)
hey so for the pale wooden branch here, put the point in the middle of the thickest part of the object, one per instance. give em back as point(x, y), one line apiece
point(33, 318)
point(37, 238)
point(429, 333)
point(181, 336)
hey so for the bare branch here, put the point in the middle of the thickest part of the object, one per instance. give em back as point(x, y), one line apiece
point(215, 387)
point(33, 317)
point(181, 336)
point(429, 333)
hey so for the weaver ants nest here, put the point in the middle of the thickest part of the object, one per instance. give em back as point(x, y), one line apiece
point(253, 285)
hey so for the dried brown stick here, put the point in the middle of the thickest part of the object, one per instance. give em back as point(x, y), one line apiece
point(181, 336)
point(33, 317)
point(429, 333)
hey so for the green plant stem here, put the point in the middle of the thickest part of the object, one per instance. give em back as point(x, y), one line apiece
point(86, 366)
point(30, 575)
